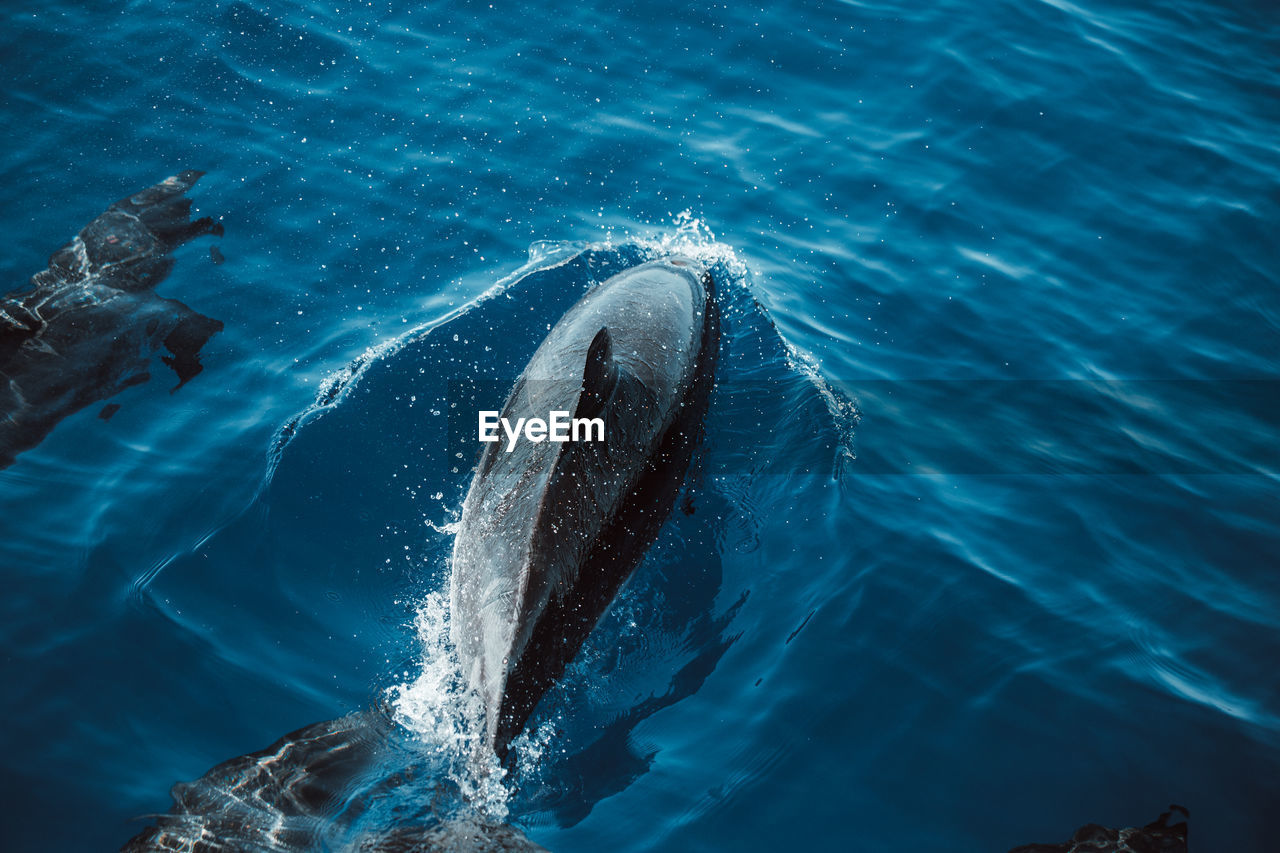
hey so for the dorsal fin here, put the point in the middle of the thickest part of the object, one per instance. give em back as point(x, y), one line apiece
point(599, 375)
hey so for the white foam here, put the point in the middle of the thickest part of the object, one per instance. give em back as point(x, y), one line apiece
point(693, 238)
point(446, 718)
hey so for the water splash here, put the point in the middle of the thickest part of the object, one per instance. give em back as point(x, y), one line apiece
point(446, 718)
point(445, 528)
point(532, 749)
point(694, 238)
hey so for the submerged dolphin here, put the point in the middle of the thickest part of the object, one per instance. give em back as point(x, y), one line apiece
point(89, 324)
point(550, 531)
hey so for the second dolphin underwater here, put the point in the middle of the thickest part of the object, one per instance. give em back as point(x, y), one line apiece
point(548, 535)
point(89, 324)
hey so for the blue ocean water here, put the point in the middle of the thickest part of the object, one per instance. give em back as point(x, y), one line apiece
point(1032, 587)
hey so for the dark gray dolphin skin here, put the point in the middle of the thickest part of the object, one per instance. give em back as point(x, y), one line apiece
point(550, 531)
point(89, 324)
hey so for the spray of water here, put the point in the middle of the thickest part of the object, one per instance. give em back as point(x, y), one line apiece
point(446, 718)
point(694, 239)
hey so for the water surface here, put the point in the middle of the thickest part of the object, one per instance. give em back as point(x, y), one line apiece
point(904, 650)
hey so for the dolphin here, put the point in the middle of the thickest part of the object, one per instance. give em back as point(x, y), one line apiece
point(550, 531)
point(90, 322)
